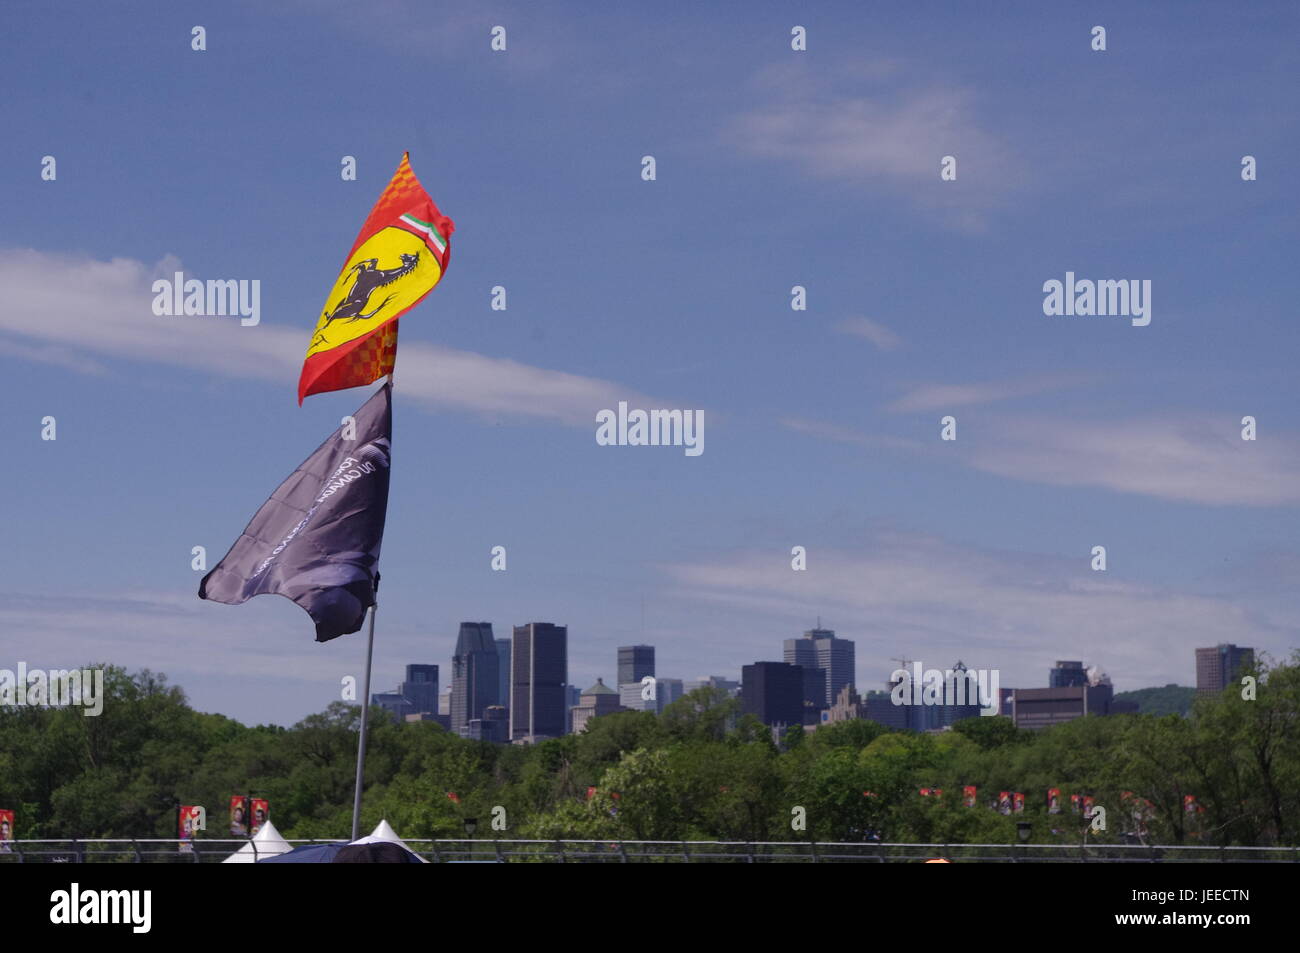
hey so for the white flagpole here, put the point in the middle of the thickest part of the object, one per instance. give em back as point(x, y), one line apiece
point(365, 717)
point(365, 706)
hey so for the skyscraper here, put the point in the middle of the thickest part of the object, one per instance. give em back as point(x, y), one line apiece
point(539, 675)
point(1221, 666)
point(635, 662)
point(421, 688)
point(473, 674)
point(503, 673)
point(773, 691)
point(418, 694)
point(819, 648)
point(814, 687)
point(1067, 675)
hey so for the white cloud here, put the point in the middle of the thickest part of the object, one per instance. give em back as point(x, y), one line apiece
point(1186, 459)
point(446, 30)
point(873, 331)
point(1189, 459)
point(818, 428)
point(949, 396)
point(57, 356)
point(870, 130)
point(171, 632)
point(79, 310)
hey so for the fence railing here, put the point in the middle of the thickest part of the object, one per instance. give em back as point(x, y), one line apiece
point(490, 850)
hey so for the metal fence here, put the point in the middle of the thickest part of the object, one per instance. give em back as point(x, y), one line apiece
point(489, 850)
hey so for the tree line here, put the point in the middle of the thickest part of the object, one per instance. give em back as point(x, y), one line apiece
point(702, 770)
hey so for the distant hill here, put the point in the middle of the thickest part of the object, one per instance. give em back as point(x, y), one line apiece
point(1170, 700)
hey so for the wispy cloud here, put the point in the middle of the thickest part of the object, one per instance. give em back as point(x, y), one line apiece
point(950, 396)
point(170, 632)
point(57, 356)
point(91, 310)
point(877, 129)
point(942, 601)
point(1181, 458)
point(258, 662)
point(873, 331)
point(1196, 459)
point(839, 434)
point(450, 29)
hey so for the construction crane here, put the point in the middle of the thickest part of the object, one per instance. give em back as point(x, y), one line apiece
point(905, 664)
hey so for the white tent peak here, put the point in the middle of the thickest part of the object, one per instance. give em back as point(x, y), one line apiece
point(384, 833)
point(268, 841)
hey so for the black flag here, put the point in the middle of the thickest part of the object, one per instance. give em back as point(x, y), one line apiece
point(316, 540)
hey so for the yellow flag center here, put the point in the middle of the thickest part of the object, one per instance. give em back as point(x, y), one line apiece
point(389, 273)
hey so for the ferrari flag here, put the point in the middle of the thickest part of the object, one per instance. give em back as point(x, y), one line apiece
point(316, 540)
point(400, 254)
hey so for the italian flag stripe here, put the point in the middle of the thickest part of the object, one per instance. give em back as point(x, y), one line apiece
point(428, 229)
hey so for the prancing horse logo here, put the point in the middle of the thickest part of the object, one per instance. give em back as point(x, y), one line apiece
point(368, 278)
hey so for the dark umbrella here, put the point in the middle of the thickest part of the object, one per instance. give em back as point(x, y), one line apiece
point(307, 854)
point(381, 852)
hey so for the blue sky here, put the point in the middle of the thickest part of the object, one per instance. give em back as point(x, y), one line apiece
point(775, 168)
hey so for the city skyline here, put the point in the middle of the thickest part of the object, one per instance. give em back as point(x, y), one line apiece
point(1072, 687)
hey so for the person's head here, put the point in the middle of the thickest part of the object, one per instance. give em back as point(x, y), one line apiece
point(239, 813)
point(260, 816)
point(4, 828)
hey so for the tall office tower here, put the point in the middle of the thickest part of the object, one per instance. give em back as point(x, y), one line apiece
point(801, 652)
point(635, 662)
point(773, 691)
point(473, 674)
point(421, 688)
point(1067, 675)
point(814, 687)
point(819, 648)
point(503, 673)
point(539, 676)
point(1221, 666)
